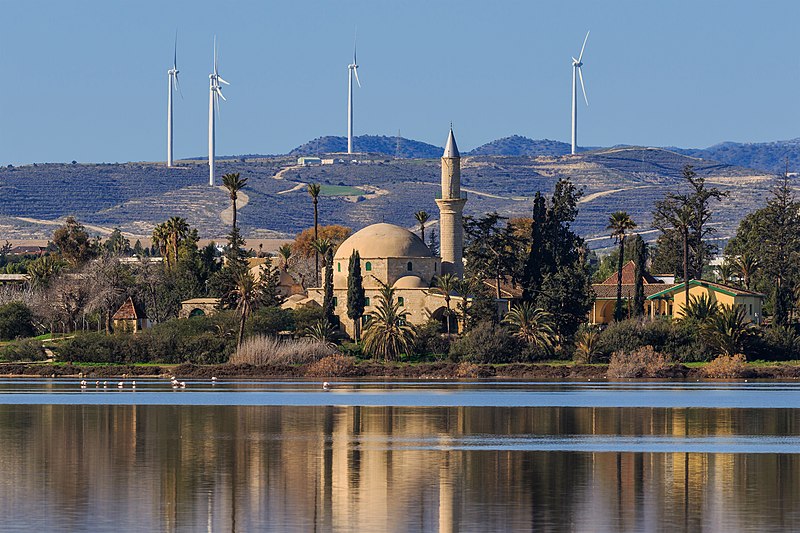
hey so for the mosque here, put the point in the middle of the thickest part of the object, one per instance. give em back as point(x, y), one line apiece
point(398, 257)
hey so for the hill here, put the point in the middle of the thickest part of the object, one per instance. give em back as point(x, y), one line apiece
point(136, 196)
point(519, 145)
point(768, 156)
point(376, 144)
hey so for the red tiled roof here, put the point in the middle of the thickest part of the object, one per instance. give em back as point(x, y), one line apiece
point(507, 289)
point(128, 311)
point(629, 276)
point(604, 291)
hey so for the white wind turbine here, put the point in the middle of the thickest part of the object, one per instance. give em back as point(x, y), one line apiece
point(173, 86)
point(577, 73)
point(352, 69)
point(215, 93)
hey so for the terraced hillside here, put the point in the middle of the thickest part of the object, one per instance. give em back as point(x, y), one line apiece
point(136, 196)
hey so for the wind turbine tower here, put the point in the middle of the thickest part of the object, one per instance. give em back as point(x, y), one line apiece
point(352, 70)
point(577, 73)
point(215, 93)
point(173, 86)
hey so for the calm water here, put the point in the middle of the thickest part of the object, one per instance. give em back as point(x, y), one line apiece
point(416, 456)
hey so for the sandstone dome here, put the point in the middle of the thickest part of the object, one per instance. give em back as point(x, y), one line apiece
point(383, 240)
point(410, 282)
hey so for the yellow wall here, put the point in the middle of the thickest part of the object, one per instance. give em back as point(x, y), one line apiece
point(752, 304)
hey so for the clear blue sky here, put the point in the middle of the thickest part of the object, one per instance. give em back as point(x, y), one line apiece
point(87, 80)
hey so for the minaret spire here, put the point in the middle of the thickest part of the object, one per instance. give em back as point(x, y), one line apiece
point(451, 207)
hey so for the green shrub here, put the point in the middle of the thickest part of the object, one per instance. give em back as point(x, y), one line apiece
point(776, 343)
point(680, 339)
point(96, 348)
point(430, 341)
point(486, 343)
point(270, 321)
point(16, 321)
point(305, 317)
point(24, 350)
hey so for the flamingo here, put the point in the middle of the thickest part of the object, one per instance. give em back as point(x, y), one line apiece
point(326, 386)
point(120, 384)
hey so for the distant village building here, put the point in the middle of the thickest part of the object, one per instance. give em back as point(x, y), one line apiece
point(130, 317)
point(671, 301)
point(27, 250)
point(309, 161)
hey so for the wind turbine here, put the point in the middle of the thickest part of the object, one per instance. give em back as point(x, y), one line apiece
point(172, 75)
point(577, 73)
point(215, 93)
point(352, 69)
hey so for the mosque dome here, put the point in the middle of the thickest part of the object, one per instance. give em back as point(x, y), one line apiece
point(383, 240)
point(410, 282)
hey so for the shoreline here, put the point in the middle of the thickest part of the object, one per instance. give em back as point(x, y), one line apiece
point(370, 369)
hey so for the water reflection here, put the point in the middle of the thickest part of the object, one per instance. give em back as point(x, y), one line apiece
point(298, 468)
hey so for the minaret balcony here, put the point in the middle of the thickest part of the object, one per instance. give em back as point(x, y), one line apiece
point(462, 196)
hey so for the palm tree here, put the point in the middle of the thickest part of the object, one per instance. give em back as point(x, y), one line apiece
point(446, 285)
point(321, 247)
point(700, 309)
point(728, 329)
point(747, 265)
point(161, 241)
point(620, 223)
point(725, 271)
point(532, 325)
point(42, 271)
point(422, 217)
point(177, 230)
point(285, 253)
point(246, 292)
point(314, 190)
point(321, 331)
point(388, 333)
point(233, 183)
point(467, 288)
point(587, 345)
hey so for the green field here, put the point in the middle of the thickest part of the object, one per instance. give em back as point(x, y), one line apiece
point(340, 190)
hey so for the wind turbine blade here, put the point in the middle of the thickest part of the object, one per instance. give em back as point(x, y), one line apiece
point(218, 91)
point(175, 57)
point(219, 78)
point(215, 54)
point(355, 71)
point(583, 87)
point(178, 85)
point(583, 47)
point(355, 37)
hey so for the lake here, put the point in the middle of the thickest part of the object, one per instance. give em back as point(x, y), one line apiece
point(399, 456)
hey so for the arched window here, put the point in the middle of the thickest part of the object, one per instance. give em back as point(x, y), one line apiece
point(338, 267)
point(434, 267)
point(335, 301)
point(401, 300)
point(366, 301)
point(368, 266)
point(409, 266)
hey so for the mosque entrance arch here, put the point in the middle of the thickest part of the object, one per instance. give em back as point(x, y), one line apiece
point(440, 315)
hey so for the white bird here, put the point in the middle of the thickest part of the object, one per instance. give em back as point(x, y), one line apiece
point(120, 385)
point(215, 93)
point(105, 384)
point(352, 70)
point(83, 383)
point(577, 73)
point(96, 384)
point(172, 76)
point(183, 384)
point(213, 378)
point(326, 386)
point(133, 384)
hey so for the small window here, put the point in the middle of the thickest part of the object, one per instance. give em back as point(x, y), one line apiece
point(338, 267)
point(368, 266)
point(401, 300)
point(366, 301)
point(335, 301)
point(751, 310)
point(434, 267)
point(409, 266)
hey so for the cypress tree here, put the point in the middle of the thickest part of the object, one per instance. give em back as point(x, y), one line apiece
point(327, 300)
point(639, 259)
point(355, 293)
point(532, 275)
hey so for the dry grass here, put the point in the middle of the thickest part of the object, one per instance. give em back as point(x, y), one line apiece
point(644, 362)
point(265, 350)
point(468, 370)
point(334, 366)
point(726, 367)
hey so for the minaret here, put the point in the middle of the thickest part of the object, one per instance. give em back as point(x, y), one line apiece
point(451, 206)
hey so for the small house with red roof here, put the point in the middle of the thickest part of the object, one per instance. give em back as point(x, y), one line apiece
point(606, 294)
point(130, 317)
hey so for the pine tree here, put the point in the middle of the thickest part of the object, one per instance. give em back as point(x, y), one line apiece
point(355, 293)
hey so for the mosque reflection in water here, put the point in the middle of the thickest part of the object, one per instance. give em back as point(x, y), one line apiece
point(231, 468)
